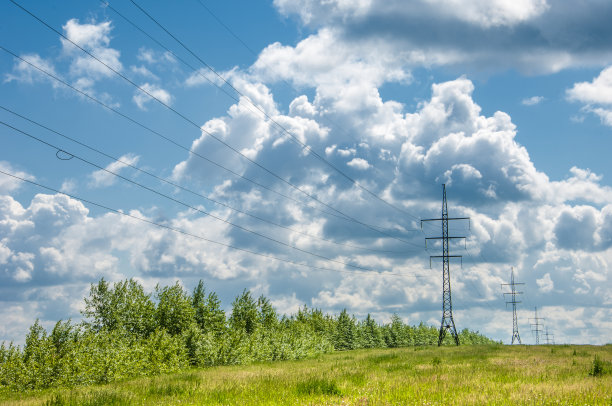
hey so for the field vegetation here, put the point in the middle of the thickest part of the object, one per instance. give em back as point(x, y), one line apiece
point(128, 333)
point(424, 375)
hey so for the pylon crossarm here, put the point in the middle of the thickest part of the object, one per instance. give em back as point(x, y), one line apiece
point(447, 309)
point(513, 293)
point(445, 256)
point(442, 238)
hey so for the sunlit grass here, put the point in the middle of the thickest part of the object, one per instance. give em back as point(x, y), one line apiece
point(467, 375)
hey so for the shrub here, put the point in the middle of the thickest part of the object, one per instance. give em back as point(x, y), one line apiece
point(128, 335)
point(598, 367)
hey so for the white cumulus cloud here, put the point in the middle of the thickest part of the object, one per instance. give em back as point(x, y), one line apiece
point(152, 91)
point(358, 163)
point(94, 38)
point(595, 95)
point(102, 178)
point(9, 184)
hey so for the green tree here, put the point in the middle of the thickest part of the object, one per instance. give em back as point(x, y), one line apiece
point(38, 354)
point(267, 316)
point(125, 306)
point(245, 316)
point(174, 311)
point(209, 315)
point(344, 336)
point(63, 336)
point(371, 334)
point(198, 298)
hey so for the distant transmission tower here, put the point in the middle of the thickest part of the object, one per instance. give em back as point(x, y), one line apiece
point(535, 326)
point(513, 301)
point(549, 340)
point(447, 306)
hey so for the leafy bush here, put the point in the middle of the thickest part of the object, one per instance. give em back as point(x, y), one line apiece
point(128, 334)
point(599, 367)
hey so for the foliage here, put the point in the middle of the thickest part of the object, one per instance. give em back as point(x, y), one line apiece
point(209, 315)
point(175, 312)
point(244, 317)
point(344, 335)
point(465, 375)
point(129, 334)
point(124, 306)
point(599, 367)
point(370, 334)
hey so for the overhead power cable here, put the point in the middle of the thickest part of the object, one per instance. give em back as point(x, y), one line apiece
point(186, 233)
point(246, 98)
point(174, 184)
point(166, 138)
point(324, 118)
point(187, 149)
point(202, 129)
point(327, 120)
point(172, 109)
point(228, 29)
point(283, 129)
point(186, 205)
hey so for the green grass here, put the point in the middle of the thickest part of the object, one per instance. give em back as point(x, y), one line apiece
point(467, 375)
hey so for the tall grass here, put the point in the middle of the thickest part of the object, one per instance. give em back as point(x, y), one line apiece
point(468, 375)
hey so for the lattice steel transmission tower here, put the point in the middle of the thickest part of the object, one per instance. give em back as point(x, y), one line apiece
point(537, 330)
point(549, 340)
point(513, 301)
point(447, 306)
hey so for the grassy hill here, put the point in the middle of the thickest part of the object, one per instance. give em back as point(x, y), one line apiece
point(466, 375)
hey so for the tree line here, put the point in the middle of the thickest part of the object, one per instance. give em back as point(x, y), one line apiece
point(127, 332)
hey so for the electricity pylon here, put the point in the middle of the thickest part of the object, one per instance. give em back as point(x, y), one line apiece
point(548, 339)
point(447, 306)
point(513, 301)
point(537, 330)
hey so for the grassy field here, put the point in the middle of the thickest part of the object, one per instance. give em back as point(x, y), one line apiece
point(467, 375)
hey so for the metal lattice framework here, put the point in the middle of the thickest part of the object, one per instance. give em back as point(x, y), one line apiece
point(513, 301)
point(535, 326)
point(550, 338)
point(448, 323)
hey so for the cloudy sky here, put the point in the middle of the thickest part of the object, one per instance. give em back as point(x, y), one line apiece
point(291, 147)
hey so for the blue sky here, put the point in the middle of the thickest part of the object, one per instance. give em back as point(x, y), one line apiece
point(294, 146)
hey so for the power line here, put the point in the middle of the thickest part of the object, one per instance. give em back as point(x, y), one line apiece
point(513, 293)
point(177, 230)
point(448, 323)
point(169, 182)
point(199, 128)
point(525, 297)
point(191, 151)
point(265, 114)
point(246, 46)
point(181, 115)
point(283, 129)
point(227, 28)
point(71, 155)
point(471, 284)
point(166, 138)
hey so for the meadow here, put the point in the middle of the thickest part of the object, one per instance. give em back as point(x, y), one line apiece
point(423, 375)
